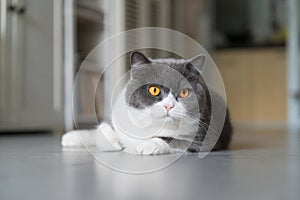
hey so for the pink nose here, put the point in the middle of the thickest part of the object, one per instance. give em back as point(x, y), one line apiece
point(168, 107)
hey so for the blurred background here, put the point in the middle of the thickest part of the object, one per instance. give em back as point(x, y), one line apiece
point(255, 44)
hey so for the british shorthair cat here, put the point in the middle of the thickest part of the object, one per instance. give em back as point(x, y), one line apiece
point(164, 108)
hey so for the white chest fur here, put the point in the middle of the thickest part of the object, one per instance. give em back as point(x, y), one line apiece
point(134, 126)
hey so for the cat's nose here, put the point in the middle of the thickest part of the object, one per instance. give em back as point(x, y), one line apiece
point(168, 107)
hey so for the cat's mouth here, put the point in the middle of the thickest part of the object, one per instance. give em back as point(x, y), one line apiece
point(169, 118)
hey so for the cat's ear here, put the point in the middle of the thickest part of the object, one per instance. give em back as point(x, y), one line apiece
point(198, 61)
point(137, 58)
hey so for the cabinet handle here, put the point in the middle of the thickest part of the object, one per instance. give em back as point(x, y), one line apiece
point(18, 9)
point(11, 8)
point(21, 10)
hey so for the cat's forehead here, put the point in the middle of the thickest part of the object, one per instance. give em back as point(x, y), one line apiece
point(162, 74)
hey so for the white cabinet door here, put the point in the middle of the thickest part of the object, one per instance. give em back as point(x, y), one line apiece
point(31, 66)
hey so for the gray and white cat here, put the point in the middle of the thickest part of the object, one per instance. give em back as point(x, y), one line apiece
point(164, 108)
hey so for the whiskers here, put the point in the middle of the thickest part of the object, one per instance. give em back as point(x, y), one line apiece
point(196, 120)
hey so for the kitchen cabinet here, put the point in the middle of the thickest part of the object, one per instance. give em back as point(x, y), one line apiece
point(31, 65)
point(255, 83)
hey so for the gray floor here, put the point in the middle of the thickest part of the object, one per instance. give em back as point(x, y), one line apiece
point(260, 165)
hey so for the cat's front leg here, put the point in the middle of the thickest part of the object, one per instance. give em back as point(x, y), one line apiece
point(154, 146)
point(104, 138)
point(107, 139)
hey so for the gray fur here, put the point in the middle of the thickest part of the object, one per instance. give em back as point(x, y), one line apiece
point(146, 72)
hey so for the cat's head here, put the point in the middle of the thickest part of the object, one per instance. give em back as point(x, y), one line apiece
point(170, 88)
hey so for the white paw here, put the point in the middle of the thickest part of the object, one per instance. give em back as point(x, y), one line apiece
point(77, 138)
point(153, 147)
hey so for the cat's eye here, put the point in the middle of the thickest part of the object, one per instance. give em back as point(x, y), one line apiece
point(184, 93)
point(154, 90)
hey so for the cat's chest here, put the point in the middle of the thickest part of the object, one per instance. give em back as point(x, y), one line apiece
point(135, 125)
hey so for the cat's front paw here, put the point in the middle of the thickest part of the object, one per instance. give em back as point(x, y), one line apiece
point(77, 138)
point(154, 146)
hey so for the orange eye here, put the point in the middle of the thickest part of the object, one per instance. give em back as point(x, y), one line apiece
point(184, 93)
point(154, 90)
